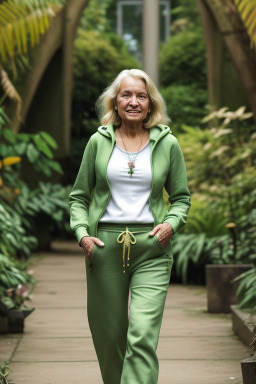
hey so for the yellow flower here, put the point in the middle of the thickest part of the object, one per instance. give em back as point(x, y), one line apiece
point(9, 161)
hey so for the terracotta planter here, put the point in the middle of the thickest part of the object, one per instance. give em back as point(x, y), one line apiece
point(221, 292)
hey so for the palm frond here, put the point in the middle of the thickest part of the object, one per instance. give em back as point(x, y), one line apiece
point(21, 25)
point(247, 10)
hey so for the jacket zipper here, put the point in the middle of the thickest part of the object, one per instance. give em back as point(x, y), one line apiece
point(152, 184)
point(109, 193)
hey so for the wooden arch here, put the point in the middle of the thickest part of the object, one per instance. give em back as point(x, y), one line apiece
point(223, 27)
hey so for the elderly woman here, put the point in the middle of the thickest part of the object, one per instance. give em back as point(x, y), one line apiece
point(122, 222)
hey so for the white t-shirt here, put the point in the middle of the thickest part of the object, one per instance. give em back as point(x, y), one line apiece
point(129, 201)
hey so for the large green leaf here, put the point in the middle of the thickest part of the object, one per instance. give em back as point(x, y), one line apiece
point(24, 137)
point(20, 148)
point(55, 166)
point(32, 153)
point(9, 136)
point(42, 146)
point(49, 139)
point(8, 302)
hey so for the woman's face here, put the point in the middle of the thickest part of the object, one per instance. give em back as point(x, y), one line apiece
point(132, 99)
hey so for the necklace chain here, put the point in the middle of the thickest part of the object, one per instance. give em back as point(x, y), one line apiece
point(131, 163)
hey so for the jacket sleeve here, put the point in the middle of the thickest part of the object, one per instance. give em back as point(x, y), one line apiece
point(177, 189)
point(80, 196)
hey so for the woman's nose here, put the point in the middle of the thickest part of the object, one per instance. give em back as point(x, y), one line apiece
point(134, 100)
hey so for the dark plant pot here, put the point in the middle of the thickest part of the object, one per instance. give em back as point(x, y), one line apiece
point(3, 309)
point(3, 324)
point(221, 292)
point(13, 322)
point(15, 325)
point(249, 370)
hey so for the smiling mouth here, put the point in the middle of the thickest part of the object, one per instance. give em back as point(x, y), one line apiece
point(133, 111)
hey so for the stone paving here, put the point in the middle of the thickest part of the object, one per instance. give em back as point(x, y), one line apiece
point(56, 348)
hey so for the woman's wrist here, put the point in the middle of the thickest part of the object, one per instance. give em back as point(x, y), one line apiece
point(81, 241)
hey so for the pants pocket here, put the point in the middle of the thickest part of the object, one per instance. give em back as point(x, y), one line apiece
point(159, 244)
point(90, 261)
point(166, 250)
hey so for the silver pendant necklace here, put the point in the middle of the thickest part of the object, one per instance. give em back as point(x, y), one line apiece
point(131, 162)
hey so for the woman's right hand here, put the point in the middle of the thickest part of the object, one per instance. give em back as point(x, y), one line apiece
point(88, 243)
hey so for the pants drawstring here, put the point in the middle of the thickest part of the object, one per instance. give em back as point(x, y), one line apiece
point(127, 238)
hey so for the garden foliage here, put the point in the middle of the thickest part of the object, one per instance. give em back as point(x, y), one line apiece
point(183, 59)
point(186, 104)
point(220, 161)
point(182, 65)
point(4, 372)
point(23, 211)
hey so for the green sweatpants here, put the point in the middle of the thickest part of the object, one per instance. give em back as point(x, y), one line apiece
point(131, 259)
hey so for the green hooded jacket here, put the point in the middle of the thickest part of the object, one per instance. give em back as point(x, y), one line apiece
point(91, 191)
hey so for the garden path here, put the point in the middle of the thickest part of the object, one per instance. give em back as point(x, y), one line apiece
point(56, 347)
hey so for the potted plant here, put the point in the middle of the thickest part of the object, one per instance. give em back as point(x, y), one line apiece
point(236, 255)
point(244, 321)
point(220, 160)
point(15, 285)
point(232, 261)
point(13, 309)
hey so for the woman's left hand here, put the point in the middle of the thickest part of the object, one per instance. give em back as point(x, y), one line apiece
point(164, 232)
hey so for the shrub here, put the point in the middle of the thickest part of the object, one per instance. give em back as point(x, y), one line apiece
point(221, 170)
point(197, 243)
point(185, 105)
point(221, 159)
point(97, 60)
point(185, 10)
point(204, 240)
point(183, 59)
point(20, 206)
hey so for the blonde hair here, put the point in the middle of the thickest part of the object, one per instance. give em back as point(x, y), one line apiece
point(105, 104)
